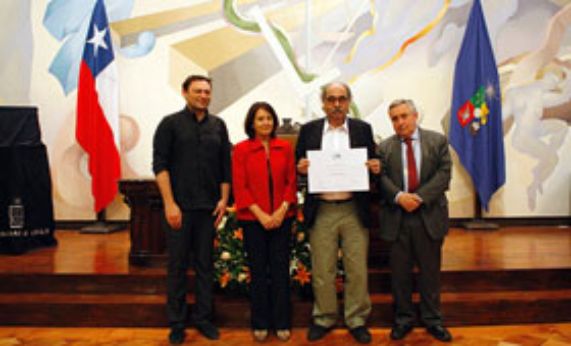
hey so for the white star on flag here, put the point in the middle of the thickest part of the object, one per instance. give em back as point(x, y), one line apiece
point(98, 39)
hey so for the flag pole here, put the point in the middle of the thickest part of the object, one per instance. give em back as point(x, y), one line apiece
point(478, 222)
point(100, 226)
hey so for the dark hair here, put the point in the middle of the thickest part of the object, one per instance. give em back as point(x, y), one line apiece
point(326, 86)
point(192, 78)
point(249, 122)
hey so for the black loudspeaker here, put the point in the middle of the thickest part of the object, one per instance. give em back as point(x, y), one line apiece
point(26, 206)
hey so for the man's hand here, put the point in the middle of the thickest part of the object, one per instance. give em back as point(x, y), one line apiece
point(302, 166)
point(219, 212)
point(374, 165)
point(409, 201)
point(173, 215)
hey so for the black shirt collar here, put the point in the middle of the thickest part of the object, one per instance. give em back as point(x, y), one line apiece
point(192, 115)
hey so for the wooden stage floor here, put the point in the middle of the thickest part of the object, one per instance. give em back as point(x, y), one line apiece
point(507, 248)
point(511, 248)
point(521, 335)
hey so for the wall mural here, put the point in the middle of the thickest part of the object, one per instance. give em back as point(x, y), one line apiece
point(275, 50)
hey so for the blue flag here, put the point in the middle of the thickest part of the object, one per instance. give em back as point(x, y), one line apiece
point(476, 114)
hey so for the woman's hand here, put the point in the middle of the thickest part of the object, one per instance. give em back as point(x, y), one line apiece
point(280, 213)
point(266, 220)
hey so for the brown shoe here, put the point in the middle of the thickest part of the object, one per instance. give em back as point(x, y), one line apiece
point(260, 335)
point(283, 334)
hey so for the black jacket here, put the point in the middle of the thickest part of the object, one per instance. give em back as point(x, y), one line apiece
point(360, 136)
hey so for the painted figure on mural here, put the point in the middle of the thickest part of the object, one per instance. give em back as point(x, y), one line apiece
point(534, 135)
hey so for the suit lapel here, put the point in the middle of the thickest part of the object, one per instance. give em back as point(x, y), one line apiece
point(424, 145)
point(317, 135)
point(396, 162)
point(352, 135)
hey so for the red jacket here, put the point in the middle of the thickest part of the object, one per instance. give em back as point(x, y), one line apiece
point(250, 179)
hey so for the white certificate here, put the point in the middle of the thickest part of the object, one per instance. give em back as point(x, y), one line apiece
point(336, 171)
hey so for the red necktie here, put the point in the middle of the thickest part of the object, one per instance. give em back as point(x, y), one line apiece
point(411, 166)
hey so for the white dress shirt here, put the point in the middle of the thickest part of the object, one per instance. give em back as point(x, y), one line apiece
point(335, 138)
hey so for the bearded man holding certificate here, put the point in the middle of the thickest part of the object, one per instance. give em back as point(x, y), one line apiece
point(337, 153)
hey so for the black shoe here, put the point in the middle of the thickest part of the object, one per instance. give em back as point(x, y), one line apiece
point(317, 332)
point(208, 330)
point(361, 334)
point(439, 333)
point(399, 331)
point(177, 336)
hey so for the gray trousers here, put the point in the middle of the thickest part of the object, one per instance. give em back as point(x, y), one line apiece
point(337, 224)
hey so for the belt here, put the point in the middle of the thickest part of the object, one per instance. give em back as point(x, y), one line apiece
point(339, 201)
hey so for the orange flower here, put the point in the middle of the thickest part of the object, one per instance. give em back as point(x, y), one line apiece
point(239, 234)
point(246, 269)
point(224, 279)
point(216, 243)
point(300, 215)
point(242, 277)
point(302, 276)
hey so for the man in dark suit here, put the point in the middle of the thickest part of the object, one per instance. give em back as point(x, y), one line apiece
point(414, 216)
point(338, 217)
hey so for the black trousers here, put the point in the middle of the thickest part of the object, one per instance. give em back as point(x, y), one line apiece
point(268, 255)
point(196, 235)
point(415, 247)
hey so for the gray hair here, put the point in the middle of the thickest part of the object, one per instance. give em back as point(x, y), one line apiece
point(407, 102)
point(326, 86)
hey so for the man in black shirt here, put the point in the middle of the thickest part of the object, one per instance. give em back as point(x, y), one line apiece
point(191, 162)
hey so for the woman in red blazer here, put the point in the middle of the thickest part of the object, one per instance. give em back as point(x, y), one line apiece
point(264, 183)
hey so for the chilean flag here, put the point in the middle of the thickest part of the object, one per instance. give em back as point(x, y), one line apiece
point(97, 126)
